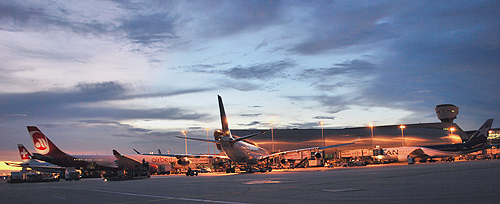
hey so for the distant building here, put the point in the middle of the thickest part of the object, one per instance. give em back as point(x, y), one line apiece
point(494, 135)
point(383, 136)
point(445, 132)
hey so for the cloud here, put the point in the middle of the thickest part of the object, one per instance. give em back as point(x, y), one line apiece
point(39, 17)
point(261, 44)
point(341, 25)
point(253, 123)
point(264, 71)
point(333, 104)
point(222, 18)
point(148, 29)
point(350, 69)
point(449, 55)
point(78, 103)
point(251, 115)
point(324, 117)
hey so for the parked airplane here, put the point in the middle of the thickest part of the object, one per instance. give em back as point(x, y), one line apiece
point(29, 162)
point(475, 143)
point(49, 152)
point(244, 152)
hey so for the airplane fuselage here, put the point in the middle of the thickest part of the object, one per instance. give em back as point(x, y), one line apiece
point(243, 153)
point(102, 162)
point(432, 151)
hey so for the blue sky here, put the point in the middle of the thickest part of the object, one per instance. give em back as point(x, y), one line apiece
point(98, 75)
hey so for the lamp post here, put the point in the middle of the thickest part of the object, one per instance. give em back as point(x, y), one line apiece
point(185, 140)
point(402, 135)
point(272, 133)
point(322, 136)
point(489, 135)
point(371, 128)
point(208, 144)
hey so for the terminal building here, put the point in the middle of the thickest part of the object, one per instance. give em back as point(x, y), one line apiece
point(444, 132)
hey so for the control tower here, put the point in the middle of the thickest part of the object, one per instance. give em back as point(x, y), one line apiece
point(446, 112)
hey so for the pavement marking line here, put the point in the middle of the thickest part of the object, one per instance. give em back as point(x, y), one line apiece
point(341, 190)
point(355, 180)
point(156, 196)
point(62, 198)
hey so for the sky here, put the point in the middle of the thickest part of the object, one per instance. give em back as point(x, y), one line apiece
point(101, 75)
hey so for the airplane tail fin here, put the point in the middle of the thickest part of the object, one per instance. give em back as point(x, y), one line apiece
point(25, 154)
point(481, 135)
point(42, 143)
point(223, 118)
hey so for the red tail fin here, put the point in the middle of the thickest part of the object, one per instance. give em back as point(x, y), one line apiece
point(42, 144)
point(25, 154)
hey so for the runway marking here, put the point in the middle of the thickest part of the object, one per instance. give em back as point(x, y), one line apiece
point(62, 198)
point(156, 196)
point(266, 182)
point(261, 182)
point(341, 190)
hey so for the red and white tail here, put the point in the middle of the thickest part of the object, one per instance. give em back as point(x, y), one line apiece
point(25, 154)
point(42, 144)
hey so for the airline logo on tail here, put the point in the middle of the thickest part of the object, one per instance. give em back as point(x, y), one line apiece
point(40, 142)
point(25, 155)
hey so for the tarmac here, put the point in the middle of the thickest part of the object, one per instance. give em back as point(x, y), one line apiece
point(440, 182)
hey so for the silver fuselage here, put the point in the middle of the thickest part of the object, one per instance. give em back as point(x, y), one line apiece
point(243, 153)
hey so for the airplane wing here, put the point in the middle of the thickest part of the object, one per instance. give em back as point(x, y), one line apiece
point(126, 162)
point(42, 168)
point(13, 164)
point(305, 149)
point(247, 136)
point(178, 156)
point(215, 141)
point(203, 140)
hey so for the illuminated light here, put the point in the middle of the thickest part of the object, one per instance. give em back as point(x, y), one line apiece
point(402, 135)
point(322, 136)
point(185, 140)
point(371, 129)
point(452, 129)
point(208, 144)
point(272, 120)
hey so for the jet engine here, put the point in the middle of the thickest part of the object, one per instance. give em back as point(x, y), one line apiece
point(283, 161)
point(318, 155)
point(217, 135)
point(183, 161)
point(153, 168)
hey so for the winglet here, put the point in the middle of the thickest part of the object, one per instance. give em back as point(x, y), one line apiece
point(136, 151)
point(116, 153)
